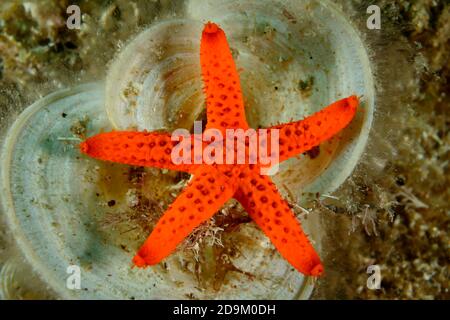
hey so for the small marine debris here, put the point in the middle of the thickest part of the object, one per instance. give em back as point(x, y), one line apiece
point(306, 86)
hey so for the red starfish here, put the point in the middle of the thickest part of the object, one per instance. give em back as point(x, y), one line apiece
point(214, 184)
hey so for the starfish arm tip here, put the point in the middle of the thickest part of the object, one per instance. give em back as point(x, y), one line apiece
point(353, 101)
point(211, 28)
point(317, 270)
point(138, 261)
point(141, 262)
point(84, 147)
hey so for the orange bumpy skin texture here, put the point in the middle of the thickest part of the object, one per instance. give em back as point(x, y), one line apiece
point(224, 101)
point(213, 184)
point(135, 148)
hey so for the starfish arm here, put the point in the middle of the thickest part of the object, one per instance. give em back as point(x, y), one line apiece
point(152, 149)
point(300, 136)
point(224, 101)
point(198, 202)
point(259, 196)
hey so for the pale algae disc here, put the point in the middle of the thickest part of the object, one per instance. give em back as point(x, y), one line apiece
point(154, 82)
point(49, 198)
point(48, 193)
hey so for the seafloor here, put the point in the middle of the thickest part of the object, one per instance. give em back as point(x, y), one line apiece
point(393, 211)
